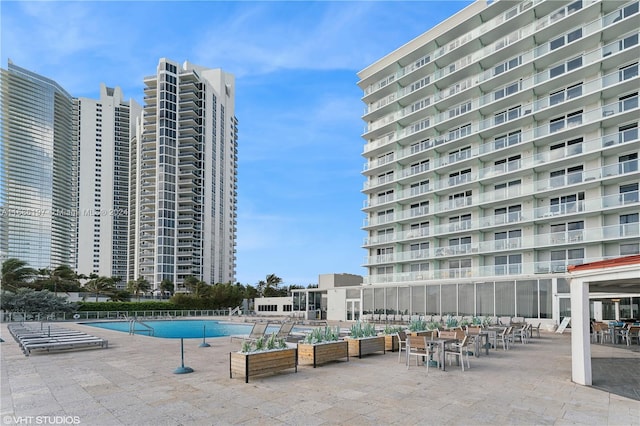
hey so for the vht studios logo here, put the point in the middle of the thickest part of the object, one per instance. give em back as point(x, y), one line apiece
point(41, 420)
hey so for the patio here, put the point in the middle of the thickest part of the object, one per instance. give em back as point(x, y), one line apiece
point(132, 382)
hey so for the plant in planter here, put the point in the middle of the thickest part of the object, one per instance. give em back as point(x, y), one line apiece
point(364, 340)
point(451, 322)
point(433, 325)
point(390, 334)
point(322, 345)
point(262, 356)
point(417, 325)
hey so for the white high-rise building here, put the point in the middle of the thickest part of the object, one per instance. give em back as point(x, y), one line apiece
point(184, 177)
point(37, 170)
point(103, 184)
point(501, 146)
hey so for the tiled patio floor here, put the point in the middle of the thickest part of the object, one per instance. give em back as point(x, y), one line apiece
point(132, 383)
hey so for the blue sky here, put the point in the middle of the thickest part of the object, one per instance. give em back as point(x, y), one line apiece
point(297, 102)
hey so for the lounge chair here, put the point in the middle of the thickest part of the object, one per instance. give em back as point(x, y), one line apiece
point(84, 342)
point(259, 329)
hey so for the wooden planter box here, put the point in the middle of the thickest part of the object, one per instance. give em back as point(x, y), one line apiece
point(257, 363)
point(366, 345)
point(391, 342)
point(319, 353)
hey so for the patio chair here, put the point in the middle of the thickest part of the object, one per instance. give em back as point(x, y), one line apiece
point(504, 338)
point(633, 333)
point(459, 350)
point(521, 333)
point(402, 343)
point(419, 347)
point(601, 332)
point(536, 330)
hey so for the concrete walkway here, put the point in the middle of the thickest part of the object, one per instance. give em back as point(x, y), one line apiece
point(132, 383)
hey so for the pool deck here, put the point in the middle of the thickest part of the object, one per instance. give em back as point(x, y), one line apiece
point(132, 383)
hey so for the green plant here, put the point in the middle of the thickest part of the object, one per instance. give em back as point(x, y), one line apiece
point(476, 321)
point(326, 334)
point(487, 321)
point(261, 344)
point(417, 325)
point(433, 325)
point(388, 329)
point(271, 342)
point(451, 322)
point(359, 330)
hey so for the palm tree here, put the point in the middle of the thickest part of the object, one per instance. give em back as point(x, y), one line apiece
point(167, 287)
point(191, 284)
point(16, 273)
point(141, 285)
point(100, 285)
point(271, 286)
point(63, 278)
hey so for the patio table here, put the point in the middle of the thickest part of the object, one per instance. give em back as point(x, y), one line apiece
point(484, 335)
point(442, 343)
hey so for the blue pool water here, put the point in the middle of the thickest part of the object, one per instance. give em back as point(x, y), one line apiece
point(176, 329)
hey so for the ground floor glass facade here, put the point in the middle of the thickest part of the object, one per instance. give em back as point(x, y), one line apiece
point(515, 298)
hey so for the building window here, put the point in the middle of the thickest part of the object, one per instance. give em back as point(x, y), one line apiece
point(507, 239)
point(570, 120)
point(460, 154)
point(564, 67)
point(508, 115)
point(506, 265)
point(565, 94)
point(507, 90)
point(628, 102)
point(419, 250)
point(384, 159)
point(419, 188)
point(456, 178)
point(508, 65)
point(460, 199)
point(419, 209)
point(567, 204)
point(510, 139)
point(628, 133)
point(629, 71)
point(459, 268)
point(567, 232)
point(457, 223)
point(460, 109)
point(418, 230)
point(420, 167)
point(508, 214)
point(628, 163)
point(565, 39)
point(629, 249)
point(420, 146)
point(629, 193)
point(507, 164)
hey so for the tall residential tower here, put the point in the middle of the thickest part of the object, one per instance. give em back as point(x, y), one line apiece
point(184, 177)
point(501, 146)
point(38, 180)
point(103, 186)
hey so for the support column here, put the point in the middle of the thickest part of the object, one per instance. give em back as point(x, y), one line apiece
point(580, 333)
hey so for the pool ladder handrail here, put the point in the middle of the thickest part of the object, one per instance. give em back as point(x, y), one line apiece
point(132, 327)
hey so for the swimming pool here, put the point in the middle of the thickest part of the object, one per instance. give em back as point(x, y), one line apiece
point(176, 329)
